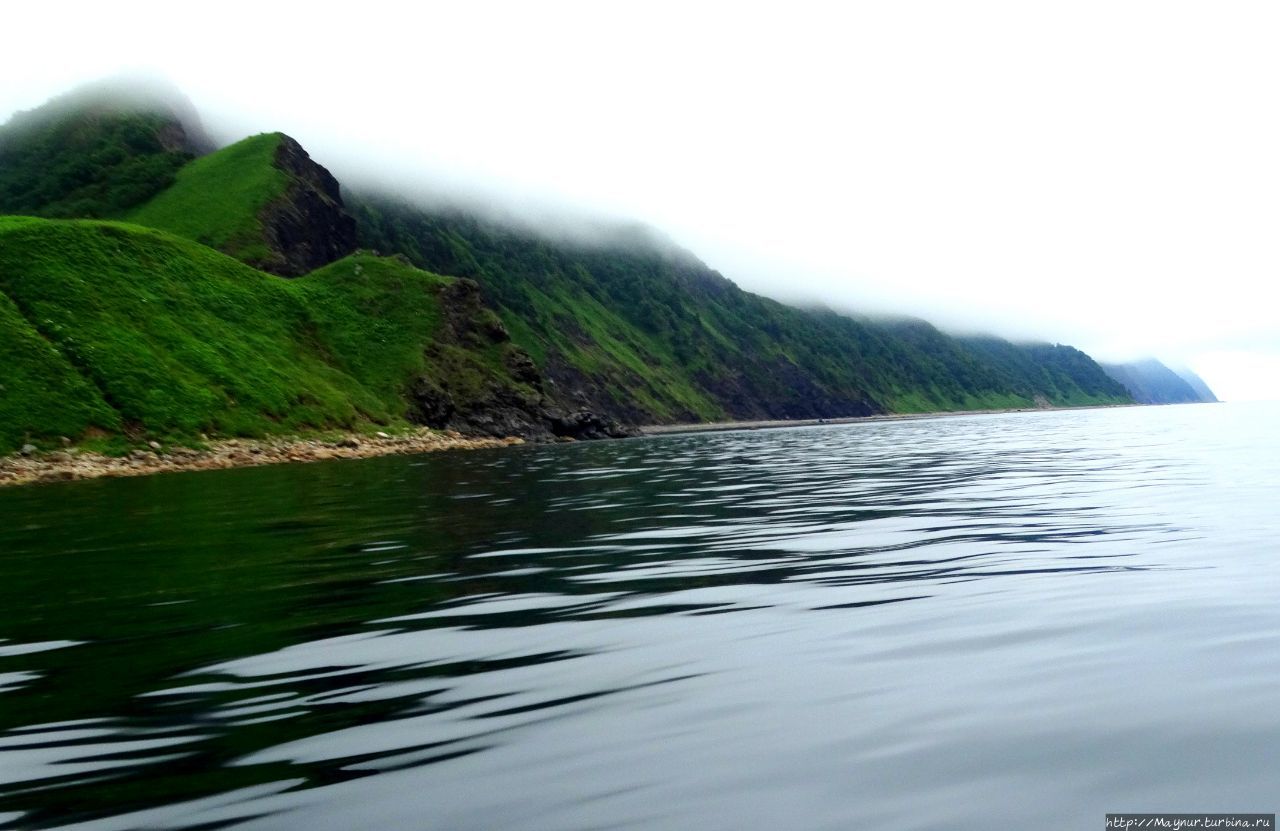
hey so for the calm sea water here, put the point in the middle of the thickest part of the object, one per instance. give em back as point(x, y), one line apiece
point(947, 623)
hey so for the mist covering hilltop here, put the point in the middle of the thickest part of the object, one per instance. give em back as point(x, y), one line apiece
point(97, 151)
point(610, 321)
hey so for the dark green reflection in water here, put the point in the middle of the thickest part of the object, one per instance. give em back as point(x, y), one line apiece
point(160, 576)
point(906, 622)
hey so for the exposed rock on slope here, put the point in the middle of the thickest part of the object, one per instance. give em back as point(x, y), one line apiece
point(262, 200)
point(307, 226)
point(114, 152)
point(449, 397)
point(633, 327)
point(118, 332)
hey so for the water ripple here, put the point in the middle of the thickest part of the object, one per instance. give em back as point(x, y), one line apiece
point(904, 623)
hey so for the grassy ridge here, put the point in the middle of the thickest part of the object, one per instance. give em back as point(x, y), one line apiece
point(218, 199)
point(223, 348)
point(382, 321)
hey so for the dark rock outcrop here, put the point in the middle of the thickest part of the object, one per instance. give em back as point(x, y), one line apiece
point(585, 424)
point(308, 227)
point(517, 405)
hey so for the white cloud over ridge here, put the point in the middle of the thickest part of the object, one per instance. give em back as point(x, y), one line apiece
point(1096, 173)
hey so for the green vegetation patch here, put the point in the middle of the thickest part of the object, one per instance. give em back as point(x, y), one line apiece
point(86, 164)
point(41, 395)
point(178, 337)
point(372, 317)
point(126, 328)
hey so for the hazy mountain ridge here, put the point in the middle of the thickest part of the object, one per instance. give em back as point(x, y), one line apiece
point(1197, 385)
point(618, 324)
point(1151, 382)
point(97, 151)
point(708, 349)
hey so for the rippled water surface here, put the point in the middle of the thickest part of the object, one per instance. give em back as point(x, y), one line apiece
point(919, 624)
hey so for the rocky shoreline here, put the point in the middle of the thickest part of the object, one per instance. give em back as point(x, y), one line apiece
point(73, 463)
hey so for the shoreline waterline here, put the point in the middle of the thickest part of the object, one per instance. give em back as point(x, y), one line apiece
point(766, 424)
point(73, 464)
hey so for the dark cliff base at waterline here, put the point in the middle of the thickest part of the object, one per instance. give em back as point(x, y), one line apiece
point(72, 463)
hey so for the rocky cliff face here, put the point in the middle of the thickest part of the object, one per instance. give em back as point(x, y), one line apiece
point(308, 227)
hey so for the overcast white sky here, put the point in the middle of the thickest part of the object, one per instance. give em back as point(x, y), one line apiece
point(1105, 174)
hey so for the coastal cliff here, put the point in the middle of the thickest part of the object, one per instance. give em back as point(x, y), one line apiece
point(171, 321)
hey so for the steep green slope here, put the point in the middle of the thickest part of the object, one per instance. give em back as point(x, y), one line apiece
point(216, 200)
point(648, 331)
point(1062, 375)
point(41, 393)
point(426, 346)
point(261, 200)
point(131, 328)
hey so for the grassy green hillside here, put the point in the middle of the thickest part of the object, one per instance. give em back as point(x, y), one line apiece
point(41, 393)
point(113, 327)
point(261, 200)
point(154, 331)
point(218, 199)
point(648, 331)
point(1062, 375)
